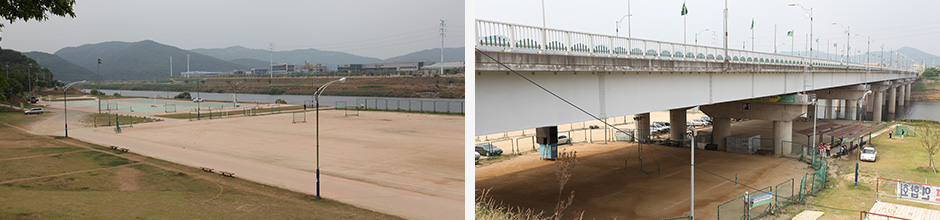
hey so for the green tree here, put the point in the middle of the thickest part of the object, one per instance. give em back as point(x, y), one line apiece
point(12, 10)
point(280, 101)
point(183, 95)
point(931, 72)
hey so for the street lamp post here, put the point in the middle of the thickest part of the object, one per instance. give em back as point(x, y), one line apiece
point(809, 14)
point(316, 98)
point(66, 104)
point(700, 32)
point(848, 34)
point(98, 86)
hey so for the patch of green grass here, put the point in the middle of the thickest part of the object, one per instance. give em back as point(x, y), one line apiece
point(33, 151)
point(405, 111)
point(897, 159)
point(105, 119)
point(42, 166)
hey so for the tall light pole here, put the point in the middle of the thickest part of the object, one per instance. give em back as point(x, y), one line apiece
point(848, 34)
point(700, 32)
point(443, 30)
point(65, 96)
point(809, 14)
point(29, 79)
point(98, 86)
point(316, 97)
point(628, 16)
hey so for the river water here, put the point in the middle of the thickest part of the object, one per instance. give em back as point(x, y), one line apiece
point(929, 110)
point(414, 104)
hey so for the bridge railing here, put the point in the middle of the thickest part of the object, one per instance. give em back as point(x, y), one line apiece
point(498, 36)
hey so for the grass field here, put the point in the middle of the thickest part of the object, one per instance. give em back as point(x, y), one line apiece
point(44, 177)
point(897, 159)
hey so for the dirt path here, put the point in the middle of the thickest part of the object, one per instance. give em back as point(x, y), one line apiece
point(605, 189)
point(128, 179)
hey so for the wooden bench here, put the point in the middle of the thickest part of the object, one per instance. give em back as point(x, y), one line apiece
point(114, 147)
point(124, 149)
point(206, 169)
point(228, 174)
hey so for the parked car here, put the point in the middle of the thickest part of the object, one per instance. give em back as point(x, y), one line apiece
point(488, 150)
point(476, 156)
point(708, 119)
point(659, 128)
point(198, 100)
point(564, 139)
point(868, 154)
point(701, 122)
point(33, 100)
point(33, 111)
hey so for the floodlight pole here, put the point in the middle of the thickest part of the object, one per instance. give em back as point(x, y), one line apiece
point(98, 87)
point(66, 104)
point(316, 98)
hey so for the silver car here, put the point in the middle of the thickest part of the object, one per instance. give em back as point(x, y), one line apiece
point(33, 111)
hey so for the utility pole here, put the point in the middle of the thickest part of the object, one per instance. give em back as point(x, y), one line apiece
point(171, 66)
point(98, 82)
point(187, 67)
point(443, 31)
point(775, 38)
point(727, 60)
point(271, 67)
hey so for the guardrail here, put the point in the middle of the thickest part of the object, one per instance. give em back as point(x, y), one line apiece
point(500, 36)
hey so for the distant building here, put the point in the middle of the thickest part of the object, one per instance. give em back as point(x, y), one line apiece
point(381, 67)
point(259, 71)
point(317, 68)
point(449, 67)
point(198, 73)
point(283, 68)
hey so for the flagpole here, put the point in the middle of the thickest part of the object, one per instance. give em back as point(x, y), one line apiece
point(752, 35)
point(775, 38)
point(684, 19)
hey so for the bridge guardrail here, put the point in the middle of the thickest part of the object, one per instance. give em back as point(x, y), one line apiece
point(498, 36)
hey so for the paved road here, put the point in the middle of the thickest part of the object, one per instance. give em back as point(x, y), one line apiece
point(388, 200)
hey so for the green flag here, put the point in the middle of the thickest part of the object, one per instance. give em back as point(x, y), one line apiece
point(684, 10)
point(790, 33)
point(835, 45)
point(817, 40)
point(752, 24)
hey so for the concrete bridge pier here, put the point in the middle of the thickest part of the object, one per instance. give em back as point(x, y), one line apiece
point(902, 90)
point(879, 92)
point(869, 101)
point(892, 98)
point(908, 92)
point(830, 110)
point(642, 127)
point(781, 114)
point(677, 120)
point(846, 96)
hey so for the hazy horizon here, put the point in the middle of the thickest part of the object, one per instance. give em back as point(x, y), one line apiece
point(378, 29)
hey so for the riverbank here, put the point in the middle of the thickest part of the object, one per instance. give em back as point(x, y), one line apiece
point(926, 89)
point(399, 86)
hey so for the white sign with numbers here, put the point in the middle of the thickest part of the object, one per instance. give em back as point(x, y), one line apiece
point(917, 192)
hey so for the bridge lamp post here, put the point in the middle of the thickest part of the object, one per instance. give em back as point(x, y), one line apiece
point(316, 97)
point(66, 104)
point(809, 15)
point(848, 35)
point(700, 32)
point(619, 22)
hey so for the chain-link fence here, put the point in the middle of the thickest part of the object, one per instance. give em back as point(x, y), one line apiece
point(784, 194)
point(733, 209)
point(412, 105)
point(756, 208)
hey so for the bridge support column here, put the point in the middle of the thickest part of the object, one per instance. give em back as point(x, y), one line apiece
point(721, 129)
point(869, 101)
point(902, 91)
point(828, 109)
point(841, 109)
point(782, 114)
point(677, 120)
point(783, 132)
point(908, 93)
point(879, 106)
point(851, 109)
point(642, 127)
point(810, 111)
point(892, 99)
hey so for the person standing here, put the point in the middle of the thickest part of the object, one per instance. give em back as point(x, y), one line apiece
point(891, 134)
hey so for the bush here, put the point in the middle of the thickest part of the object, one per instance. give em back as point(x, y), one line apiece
point(273, 91)
point(96, 92)
point(280, 101)
point(116, 94)
point(183, 95)
point(931, 72)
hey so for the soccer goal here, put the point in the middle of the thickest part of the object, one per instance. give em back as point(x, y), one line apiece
point(112, 106)
point(169, 108)
point(300, 117)
point(248, 111)
point(353, 111)
point(276, 109)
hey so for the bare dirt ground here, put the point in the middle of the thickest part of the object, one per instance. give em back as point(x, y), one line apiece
point(605, 189)
point(420, 154)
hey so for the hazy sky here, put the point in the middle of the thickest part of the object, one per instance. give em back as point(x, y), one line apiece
point(895, 23)
point(375, 28)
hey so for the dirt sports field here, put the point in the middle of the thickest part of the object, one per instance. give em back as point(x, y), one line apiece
point(604, 189)
point(417, 154)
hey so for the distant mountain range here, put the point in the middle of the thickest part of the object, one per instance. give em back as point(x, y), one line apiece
point(151, 60)
point(63, 70)
point(140, 60)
